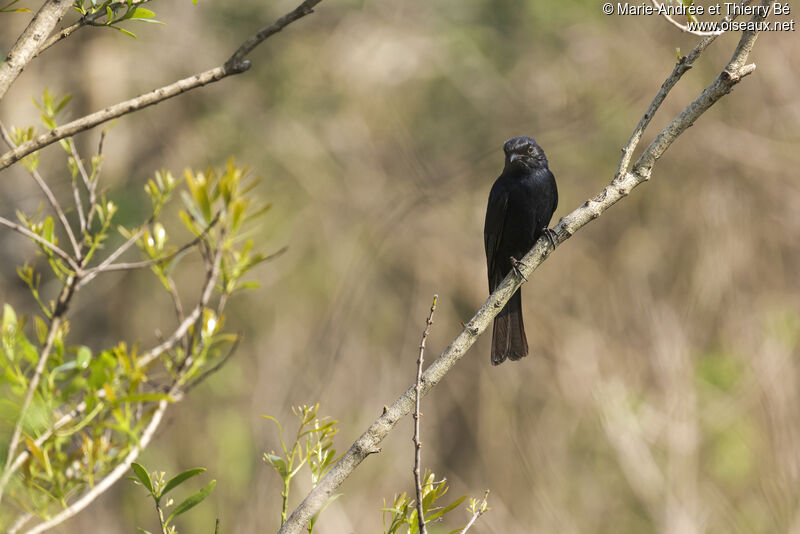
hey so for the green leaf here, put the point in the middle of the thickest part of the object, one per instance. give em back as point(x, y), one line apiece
point(41, 329)
point(191, 501)
point(446, 509)
point(143, 476)
point(9, 320)
point(181, 478)
point(126, 32)
point(277, 463)
point(63, 102)
point(84, 357)
point(7, 8)
point(142, 13)
point(48, 230)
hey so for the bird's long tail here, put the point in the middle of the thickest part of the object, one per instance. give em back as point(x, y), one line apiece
point(508, 336)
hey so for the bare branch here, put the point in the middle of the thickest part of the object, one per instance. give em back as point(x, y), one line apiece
point(684, 64)
point(40, 26)
point(618, 188)
point(261, 35)
point(417, 443)
point(235, 65)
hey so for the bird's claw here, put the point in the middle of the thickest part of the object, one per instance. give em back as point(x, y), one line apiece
point(551, 236)
point(515, 266)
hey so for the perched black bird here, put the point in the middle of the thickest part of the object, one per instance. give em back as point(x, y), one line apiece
point(521, 203)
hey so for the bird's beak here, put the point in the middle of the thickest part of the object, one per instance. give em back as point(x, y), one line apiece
point(514, 157)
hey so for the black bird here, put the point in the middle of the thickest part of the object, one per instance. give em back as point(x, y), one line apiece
point(521, 203)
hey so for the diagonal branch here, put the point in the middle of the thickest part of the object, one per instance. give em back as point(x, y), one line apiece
point(42, 241)
point(40, 26)
point(684, 64)
point(234, 65)
point(567, 226)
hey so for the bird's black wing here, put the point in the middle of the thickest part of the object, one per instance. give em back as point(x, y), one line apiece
point(493, 234)
point(555, 191)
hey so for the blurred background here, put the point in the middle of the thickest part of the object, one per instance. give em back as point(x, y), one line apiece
point(662, 390)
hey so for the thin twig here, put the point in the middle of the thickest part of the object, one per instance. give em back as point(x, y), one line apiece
point(75, 191)
point(619, 187)
point(234, 65)
point(47, 193)
point(423, 529)
point(176, 299)
point(193, 317)
point(261, 35)
point(39, 239)
point(219, 365)
point(481, 509)
point(684, 64)
point(107, 266)
point(91, 273)
point(96, 178)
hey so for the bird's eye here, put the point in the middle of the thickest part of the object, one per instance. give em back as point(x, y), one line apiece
point(530, 149)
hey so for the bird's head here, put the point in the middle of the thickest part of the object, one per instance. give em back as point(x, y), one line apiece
point(524, 152)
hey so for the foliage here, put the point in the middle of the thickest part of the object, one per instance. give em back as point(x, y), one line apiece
point(312, 446)
point(110, 14)
point(80, 411)
point(158, 487)
point(403, 512)
point(8, 8)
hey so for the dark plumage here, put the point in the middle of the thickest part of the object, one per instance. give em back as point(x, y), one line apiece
point(521, 203)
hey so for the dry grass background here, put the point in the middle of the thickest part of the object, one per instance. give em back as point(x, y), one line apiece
point(661, 395)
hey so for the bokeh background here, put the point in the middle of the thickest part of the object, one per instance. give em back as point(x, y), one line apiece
point(662, 390)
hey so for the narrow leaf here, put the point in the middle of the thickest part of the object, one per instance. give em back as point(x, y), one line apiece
point(181, 478)
point(143, 476)
point(191, 501)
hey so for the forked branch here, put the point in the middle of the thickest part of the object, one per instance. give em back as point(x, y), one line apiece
point(620, 186)
point(234, 65)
